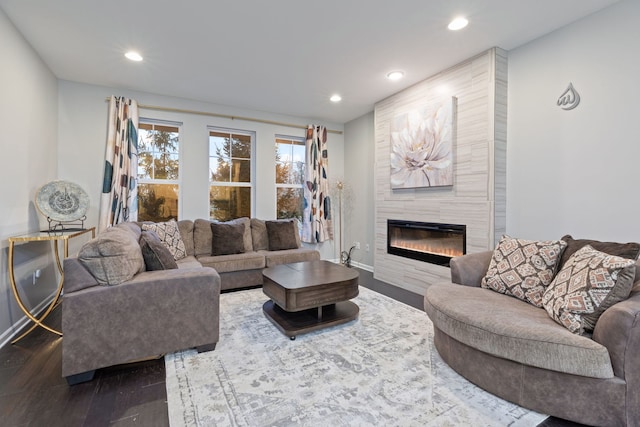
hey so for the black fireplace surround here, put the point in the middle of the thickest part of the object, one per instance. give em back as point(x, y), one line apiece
point(426, 241)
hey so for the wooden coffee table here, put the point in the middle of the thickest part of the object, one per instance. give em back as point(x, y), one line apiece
point(307, 296)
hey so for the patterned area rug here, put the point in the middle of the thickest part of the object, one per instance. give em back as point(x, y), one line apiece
point(381, 369)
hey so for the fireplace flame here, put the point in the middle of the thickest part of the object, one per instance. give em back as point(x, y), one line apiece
point(428, 247)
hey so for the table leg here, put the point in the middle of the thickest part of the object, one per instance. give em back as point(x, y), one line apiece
point(36, 321)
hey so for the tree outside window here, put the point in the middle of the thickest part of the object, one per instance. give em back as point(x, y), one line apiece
point(158, 171)
point(290, 161)
point(230, 174)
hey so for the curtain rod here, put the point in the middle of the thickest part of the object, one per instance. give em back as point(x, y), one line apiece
point(225, 116)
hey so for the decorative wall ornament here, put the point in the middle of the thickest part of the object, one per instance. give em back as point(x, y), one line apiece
point(62, 201)
point(569, 99)
point(421, 146)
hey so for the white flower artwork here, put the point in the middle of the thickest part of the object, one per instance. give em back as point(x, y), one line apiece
point(421, 147)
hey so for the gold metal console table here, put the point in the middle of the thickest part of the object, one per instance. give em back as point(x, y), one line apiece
point(55, 237)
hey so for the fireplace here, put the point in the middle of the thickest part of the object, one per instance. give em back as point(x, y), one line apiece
point(426, 241)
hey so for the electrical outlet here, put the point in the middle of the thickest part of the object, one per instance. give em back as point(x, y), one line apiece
point(36, 275)
point(357, 245)
point(366, 248)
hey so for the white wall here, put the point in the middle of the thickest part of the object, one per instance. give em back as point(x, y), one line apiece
point(575, 171)
point(29, 120)
point(82, 134)
point(358, 212)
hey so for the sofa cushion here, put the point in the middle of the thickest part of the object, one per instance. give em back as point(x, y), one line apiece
point(523, 268)
point(512, 329)
point(227, 239)
point(624, 250)
point(259, 235)
point(156, 255)
point(202, 236)
point(282, 235)
point(590, 282)
point(290, 256)
point(186, 232)
point(113, 257)
point(226, 263)
point(169, 234)
point(189, 262)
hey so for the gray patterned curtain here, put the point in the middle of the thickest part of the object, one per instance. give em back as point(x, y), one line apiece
point(316, 218)
point(118, 202)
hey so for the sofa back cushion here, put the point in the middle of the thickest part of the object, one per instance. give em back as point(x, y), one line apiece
point(186, 232)
point(113, 257)
point(259, 235)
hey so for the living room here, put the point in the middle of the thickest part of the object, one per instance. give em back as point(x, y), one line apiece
point(566, 171)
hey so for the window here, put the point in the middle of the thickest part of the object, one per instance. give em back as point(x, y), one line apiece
point(230, 164)
point(290, 160)
point(158, 171)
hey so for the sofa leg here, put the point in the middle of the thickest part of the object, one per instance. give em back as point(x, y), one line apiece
point(206, 347)
point(80, 378)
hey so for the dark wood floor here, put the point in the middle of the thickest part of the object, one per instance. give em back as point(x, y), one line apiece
point(32, 392)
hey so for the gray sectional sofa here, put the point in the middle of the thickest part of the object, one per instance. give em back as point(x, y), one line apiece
point(243, 269)
point(117, 310)
point(515, 350)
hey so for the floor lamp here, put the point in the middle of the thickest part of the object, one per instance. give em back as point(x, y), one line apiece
point(340, 187)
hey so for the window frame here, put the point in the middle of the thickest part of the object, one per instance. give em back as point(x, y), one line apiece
point(178, 181)
point(291, 139)
point(252, 168)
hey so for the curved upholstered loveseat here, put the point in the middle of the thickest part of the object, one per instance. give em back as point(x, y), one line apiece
point(516, 351)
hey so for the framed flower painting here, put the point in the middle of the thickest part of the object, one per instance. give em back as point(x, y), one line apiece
point(421, 146)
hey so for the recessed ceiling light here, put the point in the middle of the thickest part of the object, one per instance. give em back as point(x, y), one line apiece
point(395, 75)
point(133, 55)
point(335, 98)
point(458, 23)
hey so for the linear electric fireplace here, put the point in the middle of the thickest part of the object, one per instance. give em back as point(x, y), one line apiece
point(426, 241)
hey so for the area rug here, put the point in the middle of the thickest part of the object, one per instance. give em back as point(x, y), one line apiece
point(379, 370)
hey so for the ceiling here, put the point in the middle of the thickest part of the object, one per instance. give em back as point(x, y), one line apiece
point(279, 56)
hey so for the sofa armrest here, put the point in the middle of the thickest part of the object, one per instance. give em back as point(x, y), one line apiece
point(618, 329)
point(155, 312)
point(469, 269)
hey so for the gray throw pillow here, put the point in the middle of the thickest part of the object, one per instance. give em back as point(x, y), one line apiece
point(282, 235)
point(227, 239)
point(113, 257)
point(624, 250)
point(156, 255)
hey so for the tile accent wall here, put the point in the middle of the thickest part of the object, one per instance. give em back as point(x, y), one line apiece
point(478, 195)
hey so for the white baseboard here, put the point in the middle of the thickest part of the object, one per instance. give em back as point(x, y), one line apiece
point(10, 333)
point(355, 264)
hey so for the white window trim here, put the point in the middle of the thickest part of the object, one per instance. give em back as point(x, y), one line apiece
point(251, 184)
point(178, 181)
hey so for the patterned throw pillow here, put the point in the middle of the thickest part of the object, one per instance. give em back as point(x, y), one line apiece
point(523, 268)
point(590, 282)
point(170, 236)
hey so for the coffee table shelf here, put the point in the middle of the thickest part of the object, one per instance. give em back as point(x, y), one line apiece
point(307, 296)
